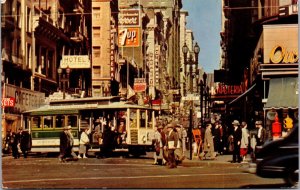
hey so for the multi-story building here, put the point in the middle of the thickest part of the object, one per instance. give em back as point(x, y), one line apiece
point(38, 37)
point(153, 54)
point(261, 45)
point(105, 71)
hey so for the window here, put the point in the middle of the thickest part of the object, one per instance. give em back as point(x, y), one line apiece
point(50, 72)
point(96, 12)
point(28, 52)
point(143, 118)
point(97, 51)
point(18, 48)
point(48, 122)
point(18, 14)
point(96, 32)
point(28, 20)
point(60, 121)
point(97, 70)
point(36, 122)
point(72, 120)
point(97, 90)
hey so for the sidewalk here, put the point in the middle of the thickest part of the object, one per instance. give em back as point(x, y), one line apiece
point(221, 160)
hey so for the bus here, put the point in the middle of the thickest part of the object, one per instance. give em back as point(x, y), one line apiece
point(47, 122)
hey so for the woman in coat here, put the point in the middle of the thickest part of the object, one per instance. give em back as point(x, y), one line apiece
point(244, 141)
point(208, 144)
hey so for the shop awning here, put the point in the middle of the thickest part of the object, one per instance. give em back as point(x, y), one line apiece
point(283, 93)
point(242, 95)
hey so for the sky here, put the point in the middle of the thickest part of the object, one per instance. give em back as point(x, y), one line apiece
point(205, 21)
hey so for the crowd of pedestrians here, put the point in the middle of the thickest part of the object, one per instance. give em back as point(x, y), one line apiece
point(170, 141)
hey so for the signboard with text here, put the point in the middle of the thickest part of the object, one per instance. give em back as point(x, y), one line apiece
point(75, 62)
point(129, 18)
point(8, 102)
point(140, 85)
point(129, 37)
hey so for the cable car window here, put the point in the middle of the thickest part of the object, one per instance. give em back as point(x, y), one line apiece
point(48, 122)
point(60, 121)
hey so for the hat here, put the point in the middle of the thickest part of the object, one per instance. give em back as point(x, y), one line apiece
point(243, 123)
point(67, 127)
point(235, 122)
point(160, 127)
point(170, 125)
point(258, 122)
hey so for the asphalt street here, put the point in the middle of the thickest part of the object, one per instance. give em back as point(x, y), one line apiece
point(121, 172)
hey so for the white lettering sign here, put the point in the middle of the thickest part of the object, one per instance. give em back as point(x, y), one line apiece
point(75, 62)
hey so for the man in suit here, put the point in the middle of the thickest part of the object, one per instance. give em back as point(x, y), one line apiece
point(172, 141)
point(237, 136)
point(261, 134)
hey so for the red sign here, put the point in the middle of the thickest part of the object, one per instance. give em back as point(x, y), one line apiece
point(8, 102)
point(229, 89)
point(129, 37)
point(140, 85)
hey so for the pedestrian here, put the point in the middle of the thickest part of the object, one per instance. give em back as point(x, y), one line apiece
point(208, 144)
point(217, 138)
point(84, 142)
point(237, 136)
point(179, 155)
point(97, 134)
point(8, 142)
point(121, 132)
point(172, 141)
point(261, 134)
point(66, 144)
point(15, 145)
point(184, 139)
point(25, 141)
point(71, 153)
point(244, 141)
point(157, 143)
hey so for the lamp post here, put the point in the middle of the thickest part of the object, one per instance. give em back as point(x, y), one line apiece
point(204, 91)
point(63, 79)
point(196, 51)
point(185, 50)
point(201, 101)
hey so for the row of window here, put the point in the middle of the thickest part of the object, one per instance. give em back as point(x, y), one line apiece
point(51, 122)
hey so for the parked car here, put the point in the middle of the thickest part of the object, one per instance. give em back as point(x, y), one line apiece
point(279, 159)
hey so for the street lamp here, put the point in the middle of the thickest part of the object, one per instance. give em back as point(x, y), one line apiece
point(185, 50)
point(63, 79)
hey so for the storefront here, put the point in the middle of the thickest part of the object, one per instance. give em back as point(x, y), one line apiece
point(21, 100)
point(279, 73)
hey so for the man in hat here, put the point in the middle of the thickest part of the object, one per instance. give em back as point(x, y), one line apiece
point(261, 133)
point(171, 145)
point(237, 136)
point(66, 144)
point(25, 142)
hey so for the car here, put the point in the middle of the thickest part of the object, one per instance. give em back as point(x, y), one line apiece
point(279, 159)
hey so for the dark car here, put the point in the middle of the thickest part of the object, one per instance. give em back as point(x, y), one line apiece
point(280, 159)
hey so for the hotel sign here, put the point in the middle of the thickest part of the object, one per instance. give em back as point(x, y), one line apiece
point(129, 18)
point(75, 62)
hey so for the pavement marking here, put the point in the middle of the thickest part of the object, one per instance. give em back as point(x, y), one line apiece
point(117, 177)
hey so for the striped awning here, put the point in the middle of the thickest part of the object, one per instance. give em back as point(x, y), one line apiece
point(283, 93)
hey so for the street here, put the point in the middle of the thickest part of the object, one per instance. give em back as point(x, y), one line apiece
point(40, 171)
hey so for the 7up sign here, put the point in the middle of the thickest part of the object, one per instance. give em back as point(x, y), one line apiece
point(129, 37)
